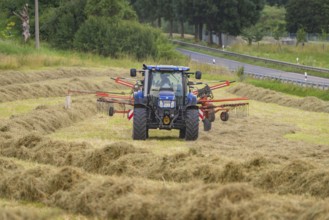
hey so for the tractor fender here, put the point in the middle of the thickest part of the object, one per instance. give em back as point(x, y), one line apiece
point(139, 98)
point(191, 100)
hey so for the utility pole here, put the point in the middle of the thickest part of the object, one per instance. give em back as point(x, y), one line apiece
point(37, 40)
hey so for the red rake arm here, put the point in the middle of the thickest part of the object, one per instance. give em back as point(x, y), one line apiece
point(125, 83)
point(200, 101)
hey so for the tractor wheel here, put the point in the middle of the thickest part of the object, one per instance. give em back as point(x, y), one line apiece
point(224, 116)
point(206, 124)
point(192, 124)
point(211, 114)
point(182, 133)
point(140, 124)
point(111, 111)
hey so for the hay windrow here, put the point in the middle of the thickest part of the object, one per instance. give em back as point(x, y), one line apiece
point(119, 198)
point(266, 95)
point(50, 89)
point(19, 213)
point(48, 120)
point(17, 77)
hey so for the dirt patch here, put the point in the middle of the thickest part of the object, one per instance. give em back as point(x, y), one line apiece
point(266, 95)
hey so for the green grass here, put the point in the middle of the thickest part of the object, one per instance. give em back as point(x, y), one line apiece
point(312, 127)
point(312, 54)
point(258, 63)
point(17, 56)
point(18, 107)
point(290, 89)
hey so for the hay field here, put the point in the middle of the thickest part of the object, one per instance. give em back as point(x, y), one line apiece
point(81, 164)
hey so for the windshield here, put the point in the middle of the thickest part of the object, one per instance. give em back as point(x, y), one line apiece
point(166, 81)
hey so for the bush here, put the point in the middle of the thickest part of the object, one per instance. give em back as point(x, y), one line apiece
point(107, 37)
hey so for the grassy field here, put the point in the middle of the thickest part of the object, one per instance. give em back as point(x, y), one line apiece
point(266, 162)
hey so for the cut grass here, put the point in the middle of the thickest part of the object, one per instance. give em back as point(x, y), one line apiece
point(8, 109)
point(102, 129)
point(312, 127)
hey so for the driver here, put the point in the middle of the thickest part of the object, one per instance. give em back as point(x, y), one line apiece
point(165, 82)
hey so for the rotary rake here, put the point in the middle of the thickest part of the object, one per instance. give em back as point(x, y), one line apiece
point(166, 108)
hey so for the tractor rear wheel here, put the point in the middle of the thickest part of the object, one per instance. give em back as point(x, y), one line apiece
point(140, 130)
point(182, 133)
point(192, 124)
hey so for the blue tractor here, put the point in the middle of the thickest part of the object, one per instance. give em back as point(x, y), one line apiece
point(165, 101)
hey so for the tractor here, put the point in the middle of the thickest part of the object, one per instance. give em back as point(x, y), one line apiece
point(165, 101)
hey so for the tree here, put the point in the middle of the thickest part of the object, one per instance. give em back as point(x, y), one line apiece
point(301, 36)
point(276, 2)
point(252, 34)
point(234, 15)
point(271, 18)
point(312, 15)
point(25, 19)
point(324, 37)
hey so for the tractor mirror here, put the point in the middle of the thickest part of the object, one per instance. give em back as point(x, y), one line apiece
point(198, 75)
point(133, 72)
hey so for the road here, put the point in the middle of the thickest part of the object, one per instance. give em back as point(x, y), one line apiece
point(252, 69)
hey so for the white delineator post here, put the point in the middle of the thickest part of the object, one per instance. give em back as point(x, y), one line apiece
point(305, 76)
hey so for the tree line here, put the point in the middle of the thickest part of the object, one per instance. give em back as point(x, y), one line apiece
point(117, 27)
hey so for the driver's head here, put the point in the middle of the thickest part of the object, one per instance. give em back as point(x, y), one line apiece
point(164, 76)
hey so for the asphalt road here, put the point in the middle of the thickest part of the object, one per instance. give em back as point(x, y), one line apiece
point(252, 69)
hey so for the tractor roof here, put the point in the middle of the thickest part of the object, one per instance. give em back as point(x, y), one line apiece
point(166, 68)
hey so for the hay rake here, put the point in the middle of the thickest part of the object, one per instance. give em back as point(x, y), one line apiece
point(124, 103)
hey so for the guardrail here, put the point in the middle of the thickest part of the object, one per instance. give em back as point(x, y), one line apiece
point(304, 83)
point(298, 66)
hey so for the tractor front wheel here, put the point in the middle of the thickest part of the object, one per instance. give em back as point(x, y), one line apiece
point(140, 131)
point(192, 125)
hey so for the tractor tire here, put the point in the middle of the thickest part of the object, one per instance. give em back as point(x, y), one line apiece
point(140, 124)
point(111, 111)
point(182, 133)
point(192, 125)
point(206, 124)
point(224, 116)
point(211, 114)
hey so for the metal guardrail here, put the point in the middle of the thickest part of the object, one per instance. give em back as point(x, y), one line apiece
point(291, 81)
point(284, 79)
point(298, 66)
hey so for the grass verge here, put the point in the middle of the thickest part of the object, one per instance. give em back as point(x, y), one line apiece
point(258, 63)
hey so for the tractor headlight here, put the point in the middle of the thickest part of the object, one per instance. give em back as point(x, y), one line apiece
point(167, 104)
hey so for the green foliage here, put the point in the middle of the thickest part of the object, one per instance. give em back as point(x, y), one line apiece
point(116, 9)
point(301, 36)
point(252, 34)
point(59, 25)
point(108, 38)
point(240, 73)
point(7, 32)
point(272, 19)
point(276, 2)
point(312, 15)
